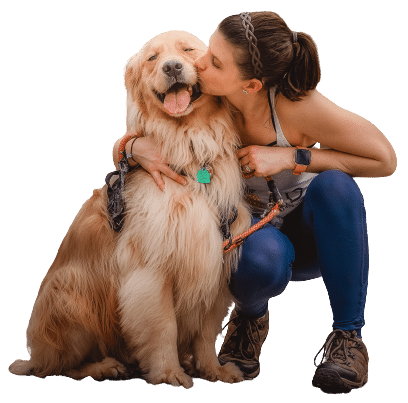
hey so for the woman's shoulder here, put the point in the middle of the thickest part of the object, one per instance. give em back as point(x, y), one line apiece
point(313, 115)
point(295, 115)
point(322, 121)
point(312, 101)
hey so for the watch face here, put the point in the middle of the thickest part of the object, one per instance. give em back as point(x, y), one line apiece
point(302, 157)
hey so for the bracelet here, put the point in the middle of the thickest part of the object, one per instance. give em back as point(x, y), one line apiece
point(123, 142)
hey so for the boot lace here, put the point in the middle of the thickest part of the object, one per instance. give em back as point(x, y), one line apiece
point(244, 332)
point(337, 348)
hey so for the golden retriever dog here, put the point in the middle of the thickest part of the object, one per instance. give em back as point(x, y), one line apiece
point(154, 294)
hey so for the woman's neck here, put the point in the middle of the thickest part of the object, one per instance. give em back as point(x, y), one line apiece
point(252, 106)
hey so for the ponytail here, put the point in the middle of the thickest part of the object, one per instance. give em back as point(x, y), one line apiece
point(289, 60)
point(303, 73)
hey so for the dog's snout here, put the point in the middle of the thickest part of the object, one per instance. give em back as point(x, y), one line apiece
point(172, 68)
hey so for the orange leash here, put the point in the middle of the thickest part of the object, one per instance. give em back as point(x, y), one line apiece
point(236, 241)
point(229, 245)
point(122, 144)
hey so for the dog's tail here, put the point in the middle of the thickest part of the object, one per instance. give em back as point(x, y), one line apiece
point(22, 367)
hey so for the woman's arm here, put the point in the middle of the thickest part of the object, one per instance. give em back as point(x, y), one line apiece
point(145, 153)
point(357, 147)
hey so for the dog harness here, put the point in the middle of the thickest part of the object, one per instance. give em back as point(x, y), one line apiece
point(116, 203)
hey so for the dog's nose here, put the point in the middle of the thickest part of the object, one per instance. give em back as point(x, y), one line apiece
point(172, 68)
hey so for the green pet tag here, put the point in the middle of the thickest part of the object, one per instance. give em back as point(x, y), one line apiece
point(203, 176)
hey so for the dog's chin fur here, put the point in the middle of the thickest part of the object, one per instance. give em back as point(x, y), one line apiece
point(156, 293)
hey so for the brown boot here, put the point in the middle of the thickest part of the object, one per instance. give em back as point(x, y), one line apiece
point(345, 365)
point(243, 342)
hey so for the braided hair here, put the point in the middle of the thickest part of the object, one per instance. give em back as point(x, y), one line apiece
point(268, 50)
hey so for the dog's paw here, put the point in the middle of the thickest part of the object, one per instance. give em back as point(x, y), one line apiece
point(189, 367)
point(229, 373)
point(109, 368)
point(175, 377)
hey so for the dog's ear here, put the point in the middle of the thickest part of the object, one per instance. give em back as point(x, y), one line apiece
point(133, 72)
point(135, 100)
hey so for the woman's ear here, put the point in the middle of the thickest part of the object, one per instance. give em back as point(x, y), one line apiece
point(253, 86)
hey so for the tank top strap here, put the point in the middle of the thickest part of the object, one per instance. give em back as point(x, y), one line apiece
point(281, 140)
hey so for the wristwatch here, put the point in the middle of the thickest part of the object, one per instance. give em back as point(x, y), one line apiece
point(302, 158)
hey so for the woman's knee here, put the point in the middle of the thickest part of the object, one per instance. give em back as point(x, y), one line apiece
point(266, 261)
point(335, 187)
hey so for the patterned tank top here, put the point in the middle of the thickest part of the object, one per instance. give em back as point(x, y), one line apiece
point(292, 187)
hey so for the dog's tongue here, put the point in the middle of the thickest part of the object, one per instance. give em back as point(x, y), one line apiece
point(177, 102)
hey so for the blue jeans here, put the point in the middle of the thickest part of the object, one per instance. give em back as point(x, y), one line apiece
point(326, 235)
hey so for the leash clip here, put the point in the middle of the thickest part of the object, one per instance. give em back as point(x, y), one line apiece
point(227, 246)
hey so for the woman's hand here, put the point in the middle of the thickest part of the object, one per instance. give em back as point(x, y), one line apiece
point(266, 161)
point(144, 151)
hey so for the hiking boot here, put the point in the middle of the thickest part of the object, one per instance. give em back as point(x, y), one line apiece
point(344, 365)
point(243, 342)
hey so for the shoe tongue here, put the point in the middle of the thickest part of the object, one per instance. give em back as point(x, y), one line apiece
point(177, 101)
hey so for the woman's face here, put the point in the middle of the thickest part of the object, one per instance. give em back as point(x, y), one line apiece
point(217, 69)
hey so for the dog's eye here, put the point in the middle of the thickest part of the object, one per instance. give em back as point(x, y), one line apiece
point(154, 57)
point(188, 50)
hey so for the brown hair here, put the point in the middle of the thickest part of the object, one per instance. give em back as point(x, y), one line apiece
point(292, 66)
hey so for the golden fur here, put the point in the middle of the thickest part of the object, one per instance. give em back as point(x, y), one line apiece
point(156, 293)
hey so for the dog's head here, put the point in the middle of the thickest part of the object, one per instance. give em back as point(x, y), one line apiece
point(162, 76)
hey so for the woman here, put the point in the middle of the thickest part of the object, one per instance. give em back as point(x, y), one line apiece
point(269, 76)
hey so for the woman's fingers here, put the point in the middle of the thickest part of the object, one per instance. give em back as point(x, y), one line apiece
point(247, 167)
point(259, 160)
point(244, 156)
point(147, 155)
point(242, 152)
point(158, 179)
point(246, 162)
point(166, 170)
point(173, 175)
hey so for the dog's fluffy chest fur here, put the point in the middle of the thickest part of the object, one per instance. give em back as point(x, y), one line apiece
point(184, 221)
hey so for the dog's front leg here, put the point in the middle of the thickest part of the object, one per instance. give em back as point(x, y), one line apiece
point(205, 357)
point(150, 327)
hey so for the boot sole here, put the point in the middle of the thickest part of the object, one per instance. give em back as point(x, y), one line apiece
point(249, 377)
point(330, 381)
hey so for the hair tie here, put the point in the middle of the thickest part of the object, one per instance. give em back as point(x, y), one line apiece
point(294, 37)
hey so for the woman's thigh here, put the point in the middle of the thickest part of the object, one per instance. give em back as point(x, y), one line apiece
point(329, 221)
